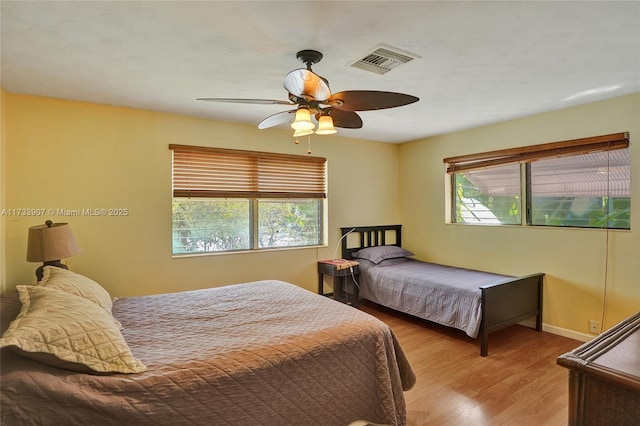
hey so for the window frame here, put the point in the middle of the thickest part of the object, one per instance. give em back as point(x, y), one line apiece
point(454, 198)
point(608, 198)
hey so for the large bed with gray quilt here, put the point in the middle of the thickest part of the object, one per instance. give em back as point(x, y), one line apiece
point(260, 353)
point(476, 302)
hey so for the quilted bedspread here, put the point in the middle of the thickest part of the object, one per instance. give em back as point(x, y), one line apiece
point(443, 294)
point(262, 353)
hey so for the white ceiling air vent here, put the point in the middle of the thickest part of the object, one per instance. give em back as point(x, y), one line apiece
point(382, 60)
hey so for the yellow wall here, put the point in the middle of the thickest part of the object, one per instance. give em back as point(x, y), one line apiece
point(573, 259)
point(72, 155)
point(3, 268)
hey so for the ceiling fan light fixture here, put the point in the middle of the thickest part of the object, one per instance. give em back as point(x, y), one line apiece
point(325, 126)
point(303, 120)
point(300, 133)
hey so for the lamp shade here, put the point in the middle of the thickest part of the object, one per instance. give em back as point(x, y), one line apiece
point(51, 241)
point(299, 133)
point(303, 120)
point(325, 126)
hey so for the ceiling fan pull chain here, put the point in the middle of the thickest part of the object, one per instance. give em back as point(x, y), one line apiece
point(297, 141)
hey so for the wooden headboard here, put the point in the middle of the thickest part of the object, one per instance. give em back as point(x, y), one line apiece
point(370, 236)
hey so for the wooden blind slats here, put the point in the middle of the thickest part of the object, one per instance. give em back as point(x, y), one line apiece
point(203, 152)
point(537, 152)
point(222, 173)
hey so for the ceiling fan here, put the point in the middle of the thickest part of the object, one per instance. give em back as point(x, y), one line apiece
point(311, 95)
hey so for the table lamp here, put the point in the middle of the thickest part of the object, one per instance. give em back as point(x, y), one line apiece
point(49, 243)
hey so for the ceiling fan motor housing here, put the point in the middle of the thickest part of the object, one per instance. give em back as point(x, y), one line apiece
point(309, 57)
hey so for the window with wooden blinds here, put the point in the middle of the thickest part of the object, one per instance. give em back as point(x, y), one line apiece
point(227, 200)
point(576, 183)
point(223, 173)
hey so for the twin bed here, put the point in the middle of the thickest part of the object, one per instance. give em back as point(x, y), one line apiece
point(260, 353)
point(475, 302)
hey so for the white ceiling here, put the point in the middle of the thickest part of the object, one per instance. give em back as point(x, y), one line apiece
point(479, 62)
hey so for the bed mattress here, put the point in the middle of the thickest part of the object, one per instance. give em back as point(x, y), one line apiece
point(443, 294)
point(266, 352)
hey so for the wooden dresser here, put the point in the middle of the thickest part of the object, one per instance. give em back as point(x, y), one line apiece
point(604, 377)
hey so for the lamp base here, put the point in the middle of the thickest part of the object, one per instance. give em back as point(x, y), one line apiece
point(56, 263)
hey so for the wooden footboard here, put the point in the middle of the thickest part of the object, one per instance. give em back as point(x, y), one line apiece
point(509, 302)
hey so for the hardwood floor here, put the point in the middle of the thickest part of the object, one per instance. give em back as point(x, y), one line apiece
point(519, 383)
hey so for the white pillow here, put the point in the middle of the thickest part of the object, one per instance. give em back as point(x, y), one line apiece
point(76, 284)
point(67, 331)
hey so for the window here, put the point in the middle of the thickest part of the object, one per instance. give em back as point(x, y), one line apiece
point(588, 190)
point(577, 183)
point(489, 196)
point(230, 200)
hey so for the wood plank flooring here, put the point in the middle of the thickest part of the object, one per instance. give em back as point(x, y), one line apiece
point(518, 384)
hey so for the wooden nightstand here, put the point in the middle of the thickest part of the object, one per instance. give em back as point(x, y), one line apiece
point(340, 270)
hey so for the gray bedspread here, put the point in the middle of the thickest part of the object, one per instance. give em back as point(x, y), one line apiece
point(262, 353)
point(443, 294)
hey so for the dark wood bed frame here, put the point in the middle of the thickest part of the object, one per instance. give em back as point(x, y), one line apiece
point(504, 303)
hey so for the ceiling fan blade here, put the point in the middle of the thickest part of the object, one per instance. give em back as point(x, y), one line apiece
point(276, 119)
point(305, 83)
point(248, 101)
point(367, 100)
point(344, 119)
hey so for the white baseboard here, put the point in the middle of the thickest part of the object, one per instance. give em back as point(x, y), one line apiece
point(564, 332)
point(583, 337)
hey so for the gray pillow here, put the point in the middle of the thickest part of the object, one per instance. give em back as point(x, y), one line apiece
point(380, 253)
